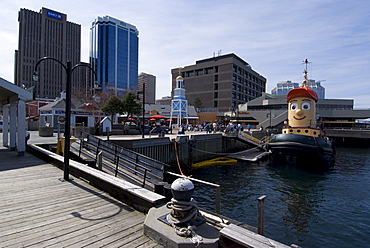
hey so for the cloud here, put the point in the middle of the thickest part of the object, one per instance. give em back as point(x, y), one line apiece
point(273, 36)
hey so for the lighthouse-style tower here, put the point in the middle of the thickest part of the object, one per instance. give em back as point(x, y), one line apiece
point(179, 106)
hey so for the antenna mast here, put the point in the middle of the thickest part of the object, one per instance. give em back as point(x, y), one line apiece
point(305, 72)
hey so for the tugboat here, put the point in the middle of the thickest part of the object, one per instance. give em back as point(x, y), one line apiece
point(301, 142)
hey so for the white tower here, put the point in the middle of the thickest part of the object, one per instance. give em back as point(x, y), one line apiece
point(179, 106)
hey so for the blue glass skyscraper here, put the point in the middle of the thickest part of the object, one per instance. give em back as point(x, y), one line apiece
point(114, 54)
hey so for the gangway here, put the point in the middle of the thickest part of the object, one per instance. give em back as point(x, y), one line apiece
point(245, 136)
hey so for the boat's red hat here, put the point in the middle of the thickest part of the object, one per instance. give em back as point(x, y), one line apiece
point(302, 92)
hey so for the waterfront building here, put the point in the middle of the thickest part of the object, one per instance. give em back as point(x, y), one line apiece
point(81, 115)
point(46, 34)
point(271, 111)
point(150, 83)
point(284, 87)
point(114, 54)
point(221, 82)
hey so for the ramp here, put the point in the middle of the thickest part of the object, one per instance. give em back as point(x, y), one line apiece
point(252, 155)
point(250, 139)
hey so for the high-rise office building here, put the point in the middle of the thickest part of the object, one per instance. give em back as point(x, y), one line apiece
point(221, 82)
point(284, 87)
point(46, 34)
point(114, 54)
point(150, 83)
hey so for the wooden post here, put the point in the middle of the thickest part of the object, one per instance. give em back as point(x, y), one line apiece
point(261, 215)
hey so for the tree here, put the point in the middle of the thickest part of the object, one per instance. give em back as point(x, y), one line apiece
point(113, 106)
point(130, 106)
point(198, 103)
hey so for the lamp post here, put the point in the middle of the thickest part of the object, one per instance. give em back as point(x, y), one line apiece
point(143, 110)
point(68, 69)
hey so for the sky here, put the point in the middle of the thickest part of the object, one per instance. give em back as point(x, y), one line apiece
point(274, 37)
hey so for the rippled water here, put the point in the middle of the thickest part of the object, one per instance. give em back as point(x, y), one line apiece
point(309, 209)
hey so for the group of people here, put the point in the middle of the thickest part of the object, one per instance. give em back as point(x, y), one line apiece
point(213, 127)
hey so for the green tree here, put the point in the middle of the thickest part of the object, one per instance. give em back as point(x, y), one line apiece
point(113, 106)
point(198, 103)
point(130, 106)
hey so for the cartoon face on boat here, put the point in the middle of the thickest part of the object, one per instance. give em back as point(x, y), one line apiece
point(302, 107)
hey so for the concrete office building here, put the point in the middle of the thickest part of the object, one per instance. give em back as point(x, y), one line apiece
point(46, 34)
point(114, 54)
point(221, 82)
point(150, 84)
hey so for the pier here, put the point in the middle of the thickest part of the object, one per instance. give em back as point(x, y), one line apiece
point(94, 209)
point(38, 210)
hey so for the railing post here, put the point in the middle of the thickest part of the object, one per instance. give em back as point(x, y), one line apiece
point(144, 177)
point(218, 199)
point(117, 162)
point(100, 160)
point(79, 152)
point(261, 215)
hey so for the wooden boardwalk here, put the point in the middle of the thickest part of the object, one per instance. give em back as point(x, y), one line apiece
point(38, 210)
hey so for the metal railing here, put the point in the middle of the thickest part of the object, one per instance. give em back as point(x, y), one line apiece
point(122, 162)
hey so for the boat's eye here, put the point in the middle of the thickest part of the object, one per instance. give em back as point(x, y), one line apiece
point(294, 106)
point(306, 106)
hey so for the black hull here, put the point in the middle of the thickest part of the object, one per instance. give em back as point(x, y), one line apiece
point(301, 150)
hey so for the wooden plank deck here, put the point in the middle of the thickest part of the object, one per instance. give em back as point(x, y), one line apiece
point(38, 210)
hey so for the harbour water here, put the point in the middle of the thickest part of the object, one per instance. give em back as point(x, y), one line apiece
point(310, 209)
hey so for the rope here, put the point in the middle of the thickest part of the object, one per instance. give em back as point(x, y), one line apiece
point(191, 211)
point(177, 158)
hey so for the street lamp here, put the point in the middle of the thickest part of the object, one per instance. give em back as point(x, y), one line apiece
point(143, 117)
point(68, 69)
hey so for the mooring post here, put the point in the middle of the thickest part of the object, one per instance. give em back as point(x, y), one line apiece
point(261, 215)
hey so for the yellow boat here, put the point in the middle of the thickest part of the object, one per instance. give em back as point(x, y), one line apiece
point(215, 161)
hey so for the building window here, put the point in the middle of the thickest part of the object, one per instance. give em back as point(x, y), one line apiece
point(234, 86)
point(234, 68)
point(234, 77)
point(215, 95)
point(215, 87)
point(209, 70)
point(216, 69)
point(199, 72)
point(215, 104)
point(189, 73)
point(233, 95)
point(216, 78)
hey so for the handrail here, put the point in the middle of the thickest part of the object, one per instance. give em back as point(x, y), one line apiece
point(123, 158)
